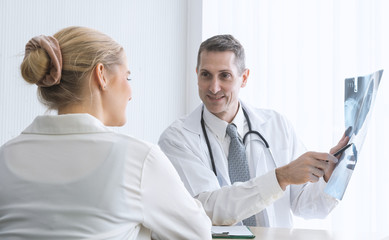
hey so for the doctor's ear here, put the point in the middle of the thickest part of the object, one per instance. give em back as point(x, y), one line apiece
point(245, 76)
point(100, 78)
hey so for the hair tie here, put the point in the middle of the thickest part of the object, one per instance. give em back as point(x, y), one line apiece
point(51, 46)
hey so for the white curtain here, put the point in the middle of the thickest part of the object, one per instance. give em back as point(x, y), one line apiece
point(299, 53)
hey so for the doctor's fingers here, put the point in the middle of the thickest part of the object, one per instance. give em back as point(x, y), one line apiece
point(317, 172)
point(307, 174)
point(313, 178)
point(306, 169)
point(325, 157)
point(322, 165)
point(343, 142)
point(313, 174)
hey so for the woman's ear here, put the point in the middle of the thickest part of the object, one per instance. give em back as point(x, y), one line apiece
point(100, 79)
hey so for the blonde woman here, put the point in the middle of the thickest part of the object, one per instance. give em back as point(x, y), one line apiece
point(68, 176)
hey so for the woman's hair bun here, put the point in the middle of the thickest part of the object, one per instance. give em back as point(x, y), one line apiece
point(42, 63)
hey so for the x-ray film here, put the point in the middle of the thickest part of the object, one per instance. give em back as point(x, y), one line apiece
point(359, 99)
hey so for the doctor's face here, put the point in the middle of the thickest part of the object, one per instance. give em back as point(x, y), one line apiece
point(219, 83)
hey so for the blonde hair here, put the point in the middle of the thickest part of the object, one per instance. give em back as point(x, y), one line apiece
point(82, 49)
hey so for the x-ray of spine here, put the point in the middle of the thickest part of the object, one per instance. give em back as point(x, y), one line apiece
point(359, 99)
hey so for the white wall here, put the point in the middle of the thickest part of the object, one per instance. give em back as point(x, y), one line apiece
point(153, 33)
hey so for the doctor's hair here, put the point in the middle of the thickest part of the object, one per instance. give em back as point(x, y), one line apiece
point(81, 49)
point(223, 43)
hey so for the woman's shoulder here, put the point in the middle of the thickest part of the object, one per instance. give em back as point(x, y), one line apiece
point(133, 142)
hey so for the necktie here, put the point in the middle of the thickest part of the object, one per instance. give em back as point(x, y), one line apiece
point(238, 168)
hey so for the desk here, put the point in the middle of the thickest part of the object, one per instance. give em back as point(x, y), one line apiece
point(289, 234)
point(262, 233)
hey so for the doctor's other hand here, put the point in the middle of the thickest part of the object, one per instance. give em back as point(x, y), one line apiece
point(342, 142)
point(309, 167)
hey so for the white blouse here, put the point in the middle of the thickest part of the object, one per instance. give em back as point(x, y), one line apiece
point(70, 177)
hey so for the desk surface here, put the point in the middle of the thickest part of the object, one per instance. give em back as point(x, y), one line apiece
point(263, 233)
point(286, 234)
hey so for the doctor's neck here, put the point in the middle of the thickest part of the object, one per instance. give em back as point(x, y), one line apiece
point(228, 114)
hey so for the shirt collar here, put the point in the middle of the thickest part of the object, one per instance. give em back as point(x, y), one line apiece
point(66, 124)
point(218, 126)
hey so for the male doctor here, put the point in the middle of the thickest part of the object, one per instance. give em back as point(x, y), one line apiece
point(242, 177)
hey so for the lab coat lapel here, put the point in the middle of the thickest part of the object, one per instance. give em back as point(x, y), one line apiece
point(192, 123)
point(258, 123)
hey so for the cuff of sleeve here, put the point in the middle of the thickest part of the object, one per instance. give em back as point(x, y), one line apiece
point(270, 188)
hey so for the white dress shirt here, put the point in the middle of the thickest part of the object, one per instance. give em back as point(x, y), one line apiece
point(70, 177)
point(218, 127)
point(226, 204)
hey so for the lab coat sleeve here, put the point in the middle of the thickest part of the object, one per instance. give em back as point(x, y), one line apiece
point(231, 204)
point(169, 210)
point(311, 201)
point(308, 200)
point(227, 205)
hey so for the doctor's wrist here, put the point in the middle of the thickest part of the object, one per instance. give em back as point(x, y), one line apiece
point(282, 177)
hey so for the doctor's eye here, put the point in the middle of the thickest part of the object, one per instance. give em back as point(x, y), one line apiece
point(129, 79)
point(205, 74)
point(225, 75)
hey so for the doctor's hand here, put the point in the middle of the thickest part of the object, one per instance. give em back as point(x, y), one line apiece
point(342, 142)
point(309, 167)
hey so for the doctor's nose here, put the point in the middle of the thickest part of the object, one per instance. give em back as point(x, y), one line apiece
point(214, 86)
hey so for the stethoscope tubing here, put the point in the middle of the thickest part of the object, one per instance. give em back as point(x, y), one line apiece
point(244, 137)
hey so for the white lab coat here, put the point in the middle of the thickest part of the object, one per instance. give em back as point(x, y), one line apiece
point(184, 144)
point(70, 177)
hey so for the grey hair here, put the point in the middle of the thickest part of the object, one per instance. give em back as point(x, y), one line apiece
point(222, 43)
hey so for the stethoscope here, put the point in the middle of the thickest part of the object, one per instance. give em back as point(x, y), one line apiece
point(244, 137)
